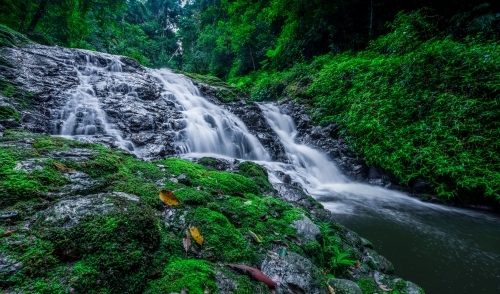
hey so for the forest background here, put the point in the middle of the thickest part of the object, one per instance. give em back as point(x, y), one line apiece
point(413, 85)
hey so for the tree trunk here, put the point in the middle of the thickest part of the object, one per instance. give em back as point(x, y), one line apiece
point(38, 15)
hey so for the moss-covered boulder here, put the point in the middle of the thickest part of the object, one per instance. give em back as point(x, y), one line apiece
point(111, 236)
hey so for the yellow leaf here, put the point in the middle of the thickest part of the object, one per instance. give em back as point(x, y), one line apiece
point(330, 289)
point(169, 198)
point(195, 233)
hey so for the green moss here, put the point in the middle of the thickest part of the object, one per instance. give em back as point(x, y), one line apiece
point(224, 92)
point(368, 285)
point(7, 112)
point(226, 242)
point(194, 275)
point(9, 37)
point(207, 162)
point(227, 183)
point(257, 173)
point(116, 247)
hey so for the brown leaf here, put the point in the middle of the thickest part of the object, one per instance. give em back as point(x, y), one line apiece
point(186, 241)
point(63, 168)
point(254, 273)
point(294, 240)
point(169, 198)
point(8, 233)
point(195, 233)
point(384, 288)
point(330, 289)
point(264, 218)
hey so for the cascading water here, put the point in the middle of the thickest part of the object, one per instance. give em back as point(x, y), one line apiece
point(83, 115)
point(442, 248)
point(210, 129)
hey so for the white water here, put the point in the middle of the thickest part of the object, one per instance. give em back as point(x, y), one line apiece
point(83, 115)
point(210, 129)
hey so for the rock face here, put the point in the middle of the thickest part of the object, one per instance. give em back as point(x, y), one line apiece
point(50, 79)
point(251, 114)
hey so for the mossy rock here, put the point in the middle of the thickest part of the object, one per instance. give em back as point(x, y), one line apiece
point(7, 112)
point(9, 37)
point(257, 173)
point(113, 236)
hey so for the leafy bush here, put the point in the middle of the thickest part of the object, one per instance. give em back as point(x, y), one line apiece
point(420, 108)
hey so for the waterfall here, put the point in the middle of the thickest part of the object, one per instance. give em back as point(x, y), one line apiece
point(209, 128)
point(83, 116)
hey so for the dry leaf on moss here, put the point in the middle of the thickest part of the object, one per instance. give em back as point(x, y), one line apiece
point(195, 233)
point(169, 198)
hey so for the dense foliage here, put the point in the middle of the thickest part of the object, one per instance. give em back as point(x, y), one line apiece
point(144, 30)
point(416, 92)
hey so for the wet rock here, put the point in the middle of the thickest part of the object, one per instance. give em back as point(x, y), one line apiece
point(294, 270)
point(29, 165)
point(9, 215)
point(9, 266)
point(377, 262)
point(411, 288)
point(74, 154)
point(422, 186)
point(251, 115)
point(79, 183)
point(306, 229)
point(342, 286)
point(224, 283)
point(183, 179)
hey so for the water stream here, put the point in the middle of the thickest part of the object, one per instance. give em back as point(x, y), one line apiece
point(443, 249)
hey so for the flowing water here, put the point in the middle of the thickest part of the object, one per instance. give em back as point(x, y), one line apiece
point(82, 115)
point(443, 249)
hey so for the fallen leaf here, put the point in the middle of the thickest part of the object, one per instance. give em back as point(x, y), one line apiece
point(8, 233)
point(63, 168)
point(282, 252)
point(330, 289)
point(294, 240)
point(256, 238)
point(264, 218)
point(254, 273)
point(83, 164)
point(184, 291)
point(273, 254)
point(384, 288)
point(274, 232)
point(186, 242)
point(238, 194)
point(169, 198)
point(195, 233)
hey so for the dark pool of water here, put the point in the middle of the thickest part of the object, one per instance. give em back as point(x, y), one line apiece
point(443, 250)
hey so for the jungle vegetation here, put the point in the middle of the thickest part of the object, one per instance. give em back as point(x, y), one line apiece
point(414, 84)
